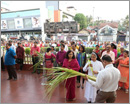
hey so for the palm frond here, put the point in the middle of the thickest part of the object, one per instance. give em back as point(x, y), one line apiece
point(59, 77)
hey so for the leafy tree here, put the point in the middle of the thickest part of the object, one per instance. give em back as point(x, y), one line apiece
point(80, 18)
point(126, 22)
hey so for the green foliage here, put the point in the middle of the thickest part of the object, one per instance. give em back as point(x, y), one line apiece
point(80, 18)
point(27, 50)
point(44, 49)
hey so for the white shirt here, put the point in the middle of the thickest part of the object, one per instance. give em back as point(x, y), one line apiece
point(111, 54)
point(1, 52)
point(75, 52)
point(54, 45)
point(65, 49)
point(107, 79)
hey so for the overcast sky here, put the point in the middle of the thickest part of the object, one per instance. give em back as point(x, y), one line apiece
point(109, 10)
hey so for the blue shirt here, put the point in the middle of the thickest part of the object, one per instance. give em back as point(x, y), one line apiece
point(9, 57)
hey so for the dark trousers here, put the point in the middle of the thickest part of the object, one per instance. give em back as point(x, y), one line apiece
point(20, 64)
point(35, 60)
point(79, 77)
point(11, 71)
point(2, 64)
point(108, 97)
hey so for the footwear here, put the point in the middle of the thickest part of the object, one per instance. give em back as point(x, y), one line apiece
point(74, 99)
point(82, 87)
point(89, 101)
point(15, 79)
point(9, 78)
point(119, 88)
point(126, 91)
point(71, 99)
point(78, 86)
point(33, 72)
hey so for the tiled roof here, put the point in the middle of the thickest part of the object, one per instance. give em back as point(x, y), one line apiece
point(113, 25)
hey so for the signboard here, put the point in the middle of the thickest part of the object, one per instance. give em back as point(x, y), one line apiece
point(35, 22)
point(65, 29)
point(19, 23)
point(3, 24)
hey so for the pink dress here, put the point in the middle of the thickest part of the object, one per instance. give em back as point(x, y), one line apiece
point(115, 51)
point(70, 83)
point(48, 61)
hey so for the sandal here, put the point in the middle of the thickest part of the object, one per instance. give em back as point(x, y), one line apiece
point(126, 91)
point(119, 88)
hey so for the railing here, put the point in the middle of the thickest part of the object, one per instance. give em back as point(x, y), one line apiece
point(28, 58)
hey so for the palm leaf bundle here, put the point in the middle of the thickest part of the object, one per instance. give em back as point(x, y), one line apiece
point(59, 77)
point(89, 62)
point(41, 60)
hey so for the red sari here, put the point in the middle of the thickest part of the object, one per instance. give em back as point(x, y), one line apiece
point(70, 83)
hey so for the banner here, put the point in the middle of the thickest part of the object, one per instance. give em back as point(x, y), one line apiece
point(19, 23)
point(3, 24)
point(35, 22)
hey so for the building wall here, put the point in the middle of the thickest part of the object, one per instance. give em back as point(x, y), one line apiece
point(52, 3)
point(24, 13)
point(25, 22)
point(57, 16)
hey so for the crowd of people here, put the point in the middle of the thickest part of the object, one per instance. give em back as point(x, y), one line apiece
point(109, 65)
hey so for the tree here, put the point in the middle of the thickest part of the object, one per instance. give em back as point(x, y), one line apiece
point(80, 18)
point(89, 20)
point(124, 26)
point(126, 22)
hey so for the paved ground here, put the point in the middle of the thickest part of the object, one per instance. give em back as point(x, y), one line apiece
point(28, 89)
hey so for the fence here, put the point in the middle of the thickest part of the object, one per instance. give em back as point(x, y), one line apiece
point(28, 58)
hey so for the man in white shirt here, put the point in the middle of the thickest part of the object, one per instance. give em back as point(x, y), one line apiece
point(66, 46)
point(107, 82)
point(109, 52)
point(74, 49)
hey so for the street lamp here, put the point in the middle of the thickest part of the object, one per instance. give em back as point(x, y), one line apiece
point(93, 15)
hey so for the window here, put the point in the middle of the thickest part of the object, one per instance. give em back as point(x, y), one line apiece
point(11, 24)
point(27, 23)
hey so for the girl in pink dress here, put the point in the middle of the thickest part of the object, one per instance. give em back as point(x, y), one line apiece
point(48, 59)
point(71, 63)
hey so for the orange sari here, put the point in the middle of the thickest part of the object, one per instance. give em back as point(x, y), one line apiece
point(124, 73)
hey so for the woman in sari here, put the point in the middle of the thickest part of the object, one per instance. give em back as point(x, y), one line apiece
point(81, 57)
point(124, 70)
point(71, 63)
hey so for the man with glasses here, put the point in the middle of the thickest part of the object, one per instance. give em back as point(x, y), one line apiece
point(109, 52)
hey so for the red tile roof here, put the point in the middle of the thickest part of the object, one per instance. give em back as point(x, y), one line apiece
point(113, 25)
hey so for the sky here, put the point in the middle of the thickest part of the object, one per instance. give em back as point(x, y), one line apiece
point(105, 10)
